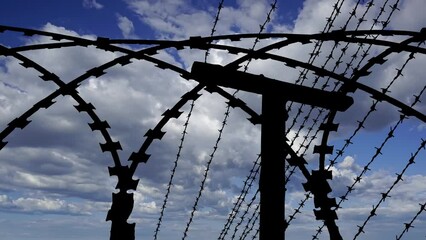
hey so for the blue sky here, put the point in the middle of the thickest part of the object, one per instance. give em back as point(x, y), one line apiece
point(54, 182)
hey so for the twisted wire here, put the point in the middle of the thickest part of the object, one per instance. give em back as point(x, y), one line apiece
point(256, 233)
point(409, 225)
point(338, 62)
point(302, 77)
point(336, 65)
point(216, 20)
point(227, 112)
point(386, 194)
point(261, 29)
point(304, 73)
point(173, 171)
point(206, 171)
point(320, 111)
point(361, 123)
point(251, 222)
point(372, 109)
point(318, 44)
point(246, 211)
point(224, 122)
point(244, 191)
point(344, 49)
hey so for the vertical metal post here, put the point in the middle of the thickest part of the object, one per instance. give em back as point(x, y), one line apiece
point(272, 175)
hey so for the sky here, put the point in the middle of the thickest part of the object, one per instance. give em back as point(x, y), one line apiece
point(54, 181)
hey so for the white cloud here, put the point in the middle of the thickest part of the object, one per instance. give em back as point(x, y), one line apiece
point(126, 27)
point(92, 4)
point(44, 205)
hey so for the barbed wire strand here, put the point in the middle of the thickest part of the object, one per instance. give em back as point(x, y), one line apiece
point(386, 194)
point(409, 225)
point(324, 65)
point(246, 187)
point(303, 77)
point(315, 53)
point(320, 111)
point(175, 165)
point(262, 28)
point(251, 222)
point(213, 30)
point(338, 62)
point(318, 44)
point(361, 124)
point(216, 20)
point(224, 122)
point(243, 215)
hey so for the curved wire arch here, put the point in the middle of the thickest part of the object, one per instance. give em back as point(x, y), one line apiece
point(261, 53)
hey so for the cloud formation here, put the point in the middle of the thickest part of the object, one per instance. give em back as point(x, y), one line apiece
point(126, 27)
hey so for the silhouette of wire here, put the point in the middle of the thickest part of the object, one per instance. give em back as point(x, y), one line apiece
point(409, 225)
point(170, 184)
point(216, 20)
point(156, 132)
point(338, 62)
point(251, 223)
point(224, 122)
point(244, 191)
point(238, 204)
point(378, 149)
point(386, 194)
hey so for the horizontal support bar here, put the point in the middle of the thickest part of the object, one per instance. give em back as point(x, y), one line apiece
point(211, 74)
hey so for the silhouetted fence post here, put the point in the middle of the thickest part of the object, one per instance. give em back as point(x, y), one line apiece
point(274, 93)
point(272, 173)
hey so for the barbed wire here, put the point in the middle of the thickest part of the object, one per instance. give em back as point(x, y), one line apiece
point(361, 123)
point(238, 204)
point(175, 165)
point(204, 180)
point(251, 223)
point(157, 131)
point(320, 111)
point(318, 44)
point(312, 59)
point(246, 211)
point(409, 225)
point(254, 171)
point(386, 194)
point(338, 62)
point(302, 77)
point(324, 65)
point(216, 20)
